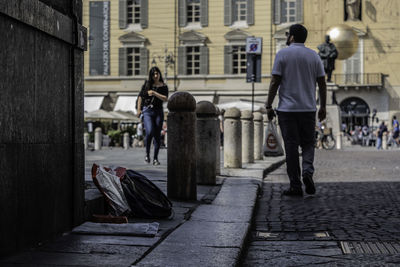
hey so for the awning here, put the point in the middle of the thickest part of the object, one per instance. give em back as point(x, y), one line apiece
point(92, 103)
point(242, 105)
point(126, 103)
point(98, 114)
point(199, 98)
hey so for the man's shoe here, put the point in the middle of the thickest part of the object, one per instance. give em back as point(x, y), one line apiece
point(293, 192)
point(309, 183)
point(156, 162)
point(147, 159)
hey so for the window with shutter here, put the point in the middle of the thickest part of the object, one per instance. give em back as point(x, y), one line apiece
point(133, 11)
point(192, 60)
point(288, 11)
point(182, 10)
point(122, 61)
point(204, 13)
point(122, 14)
point(133, 61)
point(204, 54)
point(193, 11)
point(353, 67)
point(239, 10)
point(228, 59)
point(228, 12)
point(239, 59)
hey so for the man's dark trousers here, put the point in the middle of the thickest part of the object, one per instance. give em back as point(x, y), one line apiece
point(298, 129)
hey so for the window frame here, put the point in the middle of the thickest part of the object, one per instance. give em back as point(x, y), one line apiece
point(241, 66)
point(237, 8)
point(135, 17)
point(287, 16)
point(191, 60)
point(191, 8)
point(134, 52)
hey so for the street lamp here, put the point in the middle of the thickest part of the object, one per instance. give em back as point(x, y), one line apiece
point(167, 58)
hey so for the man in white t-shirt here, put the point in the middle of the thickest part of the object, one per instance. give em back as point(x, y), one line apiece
point(295, 73)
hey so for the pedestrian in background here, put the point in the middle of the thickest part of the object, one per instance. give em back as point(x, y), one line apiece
point(154, 92)
point(381, 130)
point(295, 73)
point(396, 130)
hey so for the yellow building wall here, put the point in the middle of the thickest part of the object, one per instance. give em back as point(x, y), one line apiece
point(380, 21)
point(160, 34)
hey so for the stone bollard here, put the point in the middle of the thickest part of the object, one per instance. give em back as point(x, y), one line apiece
point(246, 119)
point(181, 174)
point(98, 138)
point(218, 144)
point(232, 139)
point(384, 141)
point(206, 141)
point(258, 135)
point(86, 140)
point(126, 141)
point(339, 140)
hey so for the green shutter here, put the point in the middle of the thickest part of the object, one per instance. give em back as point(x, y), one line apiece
point(277, 11)
point(204, 60)
point(182, 16)
point(299, 11)
point(250, 12)
point(204, 13)
point(144, 60)
point(228, 59)
point(144, 13)
point(228, 12)
point(122, 14)
point(182, 60)
point(122, 61)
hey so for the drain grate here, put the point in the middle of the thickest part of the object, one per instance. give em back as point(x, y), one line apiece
point(293, 235)
point(370, 247)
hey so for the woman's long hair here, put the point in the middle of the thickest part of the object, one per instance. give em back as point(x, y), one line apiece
point(151, 77)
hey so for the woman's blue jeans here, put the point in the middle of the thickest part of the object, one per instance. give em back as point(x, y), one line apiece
point(153, 121)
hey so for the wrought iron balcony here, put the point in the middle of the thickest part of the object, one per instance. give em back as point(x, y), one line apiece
point(359, 79)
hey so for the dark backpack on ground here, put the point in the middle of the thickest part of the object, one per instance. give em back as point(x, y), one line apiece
point(144, 198)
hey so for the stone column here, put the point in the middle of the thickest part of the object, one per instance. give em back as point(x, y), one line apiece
point(247, 136)
point(384, 141)
point(98, 138)
point(126, 141)
point(86, 140)
point(232, 139)
point(258, 135)
point(339, 140)
point(218, 144)
point(181, 174)
point(206, 138)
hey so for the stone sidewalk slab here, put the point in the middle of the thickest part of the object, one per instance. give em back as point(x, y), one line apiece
point(208, 232)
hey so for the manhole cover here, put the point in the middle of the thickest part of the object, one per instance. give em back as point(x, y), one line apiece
point(370, 247)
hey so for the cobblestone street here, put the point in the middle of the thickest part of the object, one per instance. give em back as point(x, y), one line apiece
point(352, 220)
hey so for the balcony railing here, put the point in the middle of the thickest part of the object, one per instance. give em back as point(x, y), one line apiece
point(359, 79)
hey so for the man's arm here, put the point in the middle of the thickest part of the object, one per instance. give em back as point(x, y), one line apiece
point(322, 98)
point(273, 89)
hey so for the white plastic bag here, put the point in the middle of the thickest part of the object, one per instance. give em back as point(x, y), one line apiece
point(110, 186)
point(272, 143)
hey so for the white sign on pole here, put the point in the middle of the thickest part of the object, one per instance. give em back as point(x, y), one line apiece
point(254, 45)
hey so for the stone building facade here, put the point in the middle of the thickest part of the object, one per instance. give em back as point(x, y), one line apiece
point(200, 46)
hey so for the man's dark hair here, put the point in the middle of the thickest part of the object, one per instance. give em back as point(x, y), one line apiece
point(299, 33)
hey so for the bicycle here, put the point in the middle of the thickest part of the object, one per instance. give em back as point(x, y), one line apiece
point(325, 137)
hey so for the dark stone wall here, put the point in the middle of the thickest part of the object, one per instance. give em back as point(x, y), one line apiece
point(41, 130)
